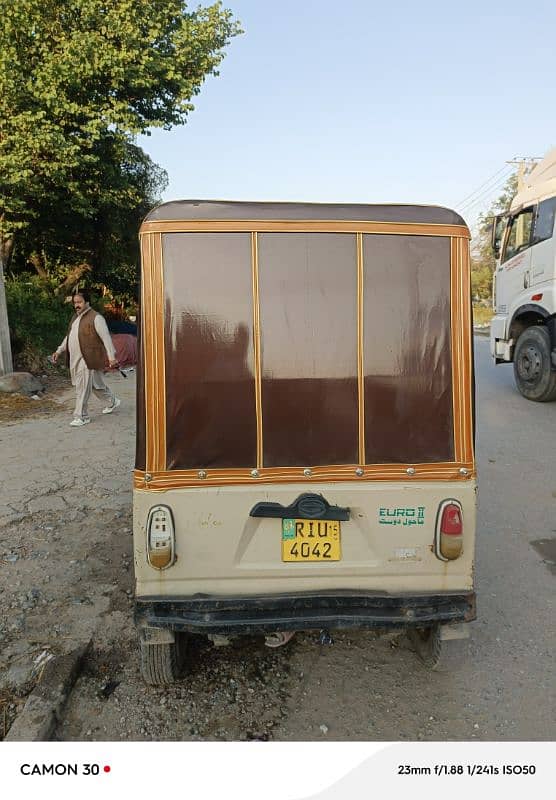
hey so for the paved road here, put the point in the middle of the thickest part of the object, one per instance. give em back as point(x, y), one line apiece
point(360, 688)
point(504, 689)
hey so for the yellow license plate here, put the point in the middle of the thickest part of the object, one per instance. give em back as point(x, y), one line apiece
point(310, 540)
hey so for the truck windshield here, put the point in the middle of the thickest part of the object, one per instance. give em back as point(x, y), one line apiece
point(519, 235)
point(544, 222)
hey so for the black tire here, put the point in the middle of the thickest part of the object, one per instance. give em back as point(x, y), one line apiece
point(436, 653)
point(162, 664)
point(427, 644)
point(534, 376)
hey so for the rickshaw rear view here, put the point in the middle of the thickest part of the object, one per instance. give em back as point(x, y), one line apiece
point(305, 424)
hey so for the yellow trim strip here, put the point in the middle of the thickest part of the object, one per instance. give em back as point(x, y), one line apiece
point(153, 338)
point(145, 341)
point(360, 348)
point(257, 347)
point(150, 338)
point(461, 332)
point(160, 354)
point(177, 479)
point(302, 226)
point(454, 343)
point(467, 354)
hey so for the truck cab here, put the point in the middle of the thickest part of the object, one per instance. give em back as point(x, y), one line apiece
point(523, 330)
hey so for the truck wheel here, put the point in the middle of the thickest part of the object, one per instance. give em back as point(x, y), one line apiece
point(162, 664)
point(427, 644)
point(534, 376)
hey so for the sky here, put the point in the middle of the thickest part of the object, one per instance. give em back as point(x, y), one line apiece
point(369, 102)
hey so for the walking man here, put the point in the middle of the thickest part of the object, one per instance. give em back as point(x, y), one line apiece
point(86, 343)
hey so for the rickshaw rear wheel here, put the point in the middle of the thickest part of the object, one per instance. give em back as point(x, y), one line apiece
point(427, 644)
point(162, 664)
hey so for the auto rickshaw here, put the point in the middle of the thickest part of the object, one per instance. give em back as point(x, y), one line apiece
point(305, 444)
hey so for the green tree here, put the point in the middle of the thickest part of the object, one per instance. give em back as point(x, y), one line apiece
point(482, 258)
point(80, 76)
point(64, 244)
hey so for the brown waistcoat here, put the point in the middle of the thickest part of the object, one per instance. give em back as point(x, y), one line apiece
point(90, 342)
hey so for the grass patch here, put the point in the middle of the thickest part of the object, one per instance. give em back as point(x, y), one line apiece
point(482, 315)
point(15, 407)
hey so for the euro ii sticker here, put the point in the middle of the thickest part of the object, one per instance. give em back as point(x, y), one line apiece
point(401, 516)
point(288, 529)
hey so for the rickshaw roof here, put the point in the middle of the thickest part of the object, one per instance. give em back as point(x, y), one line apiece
point(242, 210)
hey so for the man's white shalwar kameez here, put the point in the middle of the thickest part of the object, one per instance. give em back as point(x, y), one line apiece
point(84, 379)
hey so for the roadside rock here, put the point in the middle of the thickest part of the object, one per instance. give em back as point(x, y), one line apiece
point(43, 708)
point(20, 383)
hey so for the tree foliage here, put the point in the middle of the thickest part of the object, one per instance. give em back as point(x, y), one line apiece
point(101, 245)
point(80, 78)
point(39, 316)
point(482, 258)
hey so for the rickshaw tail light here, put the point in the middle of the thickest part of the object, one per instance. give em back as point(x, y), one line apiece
point(161, 550)
point(449, 531)
point(451, 523)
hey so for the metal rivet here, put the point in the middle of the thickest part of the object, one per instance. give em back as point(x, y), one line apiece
point(148, 477)
point(202, 473)
point(307, 473)
point(410, 470)
point(254, 473)
point(463, 471)
point(359, 471)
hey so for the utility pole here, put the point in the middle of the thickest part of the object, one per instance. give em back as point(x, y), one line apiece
point(524, 166)
point(6, 363)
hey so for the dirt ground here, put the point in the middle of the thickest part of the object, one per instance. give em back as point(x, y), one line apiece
point(66, 568)
point(16, 407)
point(66, 577)
point(65, 529)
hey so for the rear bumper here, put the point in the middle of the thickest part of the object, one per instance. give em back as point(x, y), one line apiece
point(303, 611)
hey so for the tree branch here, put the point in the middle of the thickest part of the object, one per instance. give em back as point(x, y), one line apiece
point(73, 278)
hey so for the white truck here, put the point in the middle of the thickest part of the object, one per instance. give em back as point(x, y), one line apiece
point(523, 330)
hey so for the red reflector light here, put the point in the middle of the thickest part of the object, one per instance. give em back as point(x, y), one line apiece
point(536, 296)
point(451, 522)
